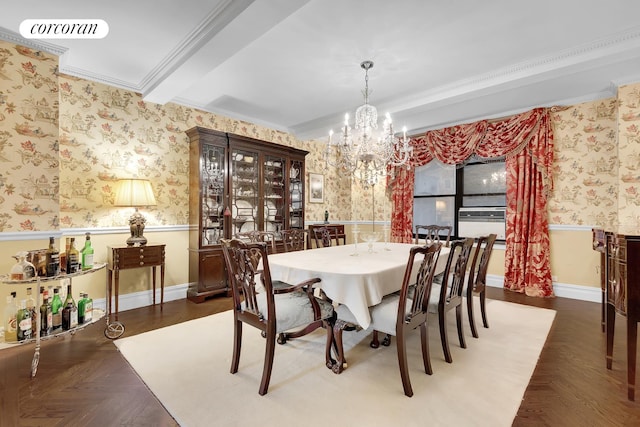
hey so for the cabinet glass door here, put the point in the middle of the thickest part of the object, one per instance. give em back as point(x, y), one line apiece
point(274, 193)
point(245, 191)
point(296, 195)
point(212, 190)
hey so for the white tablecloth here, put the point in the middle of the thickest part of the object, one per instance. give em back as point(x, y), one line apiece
point(355, 281)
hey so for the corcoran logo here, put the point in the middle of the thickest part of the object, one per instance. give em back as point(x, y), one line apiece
point(64, 28)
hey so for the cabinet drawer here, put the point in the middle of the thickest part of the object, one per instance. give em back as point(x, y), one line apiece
point(138, 256)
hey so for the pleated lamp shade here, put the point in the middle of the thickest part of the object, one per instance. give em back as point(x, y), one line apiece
point(134, 192)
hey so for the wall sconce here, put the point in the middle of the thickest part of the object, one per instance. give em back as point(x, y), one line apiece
point(137, 193)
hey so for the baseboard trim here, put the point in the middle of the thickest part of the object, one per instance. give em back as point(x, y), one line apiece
point(171, 293)
point(564, 290)
point(145, 298)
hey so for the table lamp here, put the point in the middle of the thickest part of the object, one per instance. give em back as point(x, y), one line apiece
point(137, 193)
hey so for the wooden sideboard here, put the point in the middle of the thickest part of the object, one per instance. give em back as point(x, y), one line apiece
point(622, 272)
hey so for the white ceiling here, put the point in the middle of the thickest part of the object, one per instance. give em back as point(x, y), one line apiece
point(294, 65)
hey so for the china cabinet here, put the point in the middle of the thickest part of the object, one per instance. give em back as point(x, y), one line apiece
point(237, 184)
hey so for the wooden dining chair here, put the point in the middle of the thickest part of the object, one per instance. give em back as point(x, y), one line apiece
point(294, 239)
point(448, 295)
point(272, 311)
point(433, 233)
point(325, 237)
point(477, 279)
point(397, 314)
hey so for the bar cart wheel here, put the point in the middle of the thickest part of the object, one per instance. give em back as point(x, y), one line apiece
point(114, 330)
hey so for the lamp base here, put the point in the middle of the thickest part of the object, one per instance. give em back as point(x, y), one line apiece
point(136, 241)
point(136, 223)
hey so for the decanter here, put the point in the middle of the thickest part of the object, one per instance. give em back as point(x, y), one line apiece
point(22, 269)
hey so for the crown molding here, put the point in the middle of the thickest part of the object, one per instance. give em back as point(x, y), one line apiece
point(16, 38)
point(225, 12)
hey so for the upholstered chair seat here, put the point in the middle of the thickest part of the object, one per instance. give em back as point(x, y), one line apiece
point(294, 309)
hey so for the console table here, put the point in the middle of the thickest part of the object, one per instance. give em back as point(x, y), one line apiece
point(125, 257)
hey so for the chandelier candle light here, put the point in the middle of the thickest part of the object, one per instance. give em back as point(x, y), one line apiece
point(365, 152)
point(136, 193)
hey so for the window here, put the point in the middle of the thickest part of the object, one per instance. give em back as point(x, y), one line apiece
point(434, 196)
point(484, 184)
point(441, 190)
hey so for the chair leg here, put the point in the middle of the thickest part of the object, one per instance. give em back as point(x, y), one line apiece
point(329, 361)
point(268, 361)
point(426, 358)
point(463, 344)
point(375, 342)
point(472, 321)
point(443, 335)
point(341, 362)
point(483, 309)
point(237, 344)
point(386, 341)
point(402, 362)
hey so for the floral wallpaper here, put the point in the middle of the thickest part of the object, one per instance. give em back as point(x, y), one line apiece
point(629, 154)
point(64, 141)
point(585, 165)
point(29, 162)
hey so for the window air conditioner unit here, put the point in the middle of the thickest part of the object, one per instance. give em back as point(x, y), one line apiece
point(477, 221)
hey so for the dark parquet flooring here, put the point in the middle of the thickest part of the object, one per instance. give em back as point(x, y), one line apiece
point(83, 380)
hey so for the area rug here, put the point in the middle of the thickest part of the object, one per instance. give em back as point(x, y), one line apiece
point(187, 367)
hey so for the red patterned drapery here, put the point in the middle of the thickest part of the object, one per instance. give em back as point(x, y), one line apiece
point(486, 139)
point(527, 257)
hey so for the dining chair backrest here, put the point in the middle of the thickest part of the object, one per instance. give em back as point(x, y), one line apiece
point(477, 279)
point(414, 295)
point(294, 239)
point(325, 237)
point(255, 236)
point(241, 260)
point(433, 233)
point(456, 270)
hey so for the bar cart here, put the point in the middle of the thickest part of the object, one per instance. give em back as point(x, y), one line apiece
point(112, 331)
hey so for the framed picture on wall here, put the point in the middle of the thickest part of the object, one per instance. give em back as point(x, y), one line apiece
point(316, 188)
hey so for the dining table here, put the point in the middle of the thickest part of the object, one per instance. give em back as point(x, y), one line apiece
point(351, 274)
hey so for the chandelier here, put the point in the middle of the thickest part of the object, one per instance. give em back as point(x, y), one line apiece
point(365, 152)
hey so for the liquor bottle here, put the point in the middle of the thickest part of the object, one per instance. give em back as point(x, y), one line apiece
point(56, 311)
point(31, 306)
point(9, 318)
point(81, 302)
point(70, 311)
point(46, 318)
point(73, 257)
point(87, 254)
point(53, 259)
point(23, 320)
point(88, 309)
